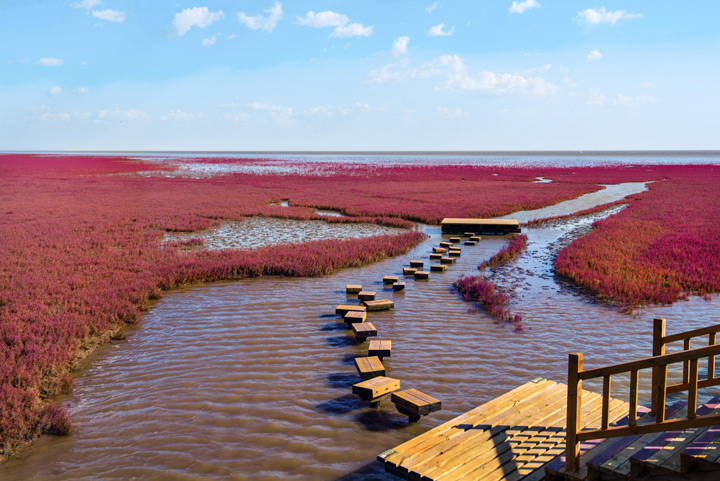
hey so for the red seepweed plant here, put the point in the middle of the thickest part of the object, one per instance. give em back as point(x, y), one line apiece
point(512, 249)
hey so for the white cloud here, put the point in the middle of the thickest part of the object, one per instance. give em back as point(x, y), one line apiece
point(595, 98)
point(178, 115)
point(193, 17)
point(520, 7)
point(323, 19)
point(457, 78)
point(83, 63)
point(109, 15)
point(456, 113)
point(647, 85)
point(385, 74)
point(55, 91)
point(44, 115)
point(259, 22)
point(80, 90)
point(400, 46)
point(209, 41)
point(341, 23)
point(321, 111)
point(352, 30)
point(600, 15)
point(282, 115)
point(50, 62)
point(594, 55)
point(231, 36)
point(627, 101)
point(86, 4)
point(123, 115)
point(432, 7)
point(437, 31)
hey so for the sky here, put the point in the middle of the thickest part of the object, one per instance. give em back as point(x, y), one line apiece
point(329, 75)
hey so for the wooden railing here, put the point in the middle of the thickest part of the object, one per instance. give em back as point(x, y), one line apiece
point(659, 364)
point(660, 340)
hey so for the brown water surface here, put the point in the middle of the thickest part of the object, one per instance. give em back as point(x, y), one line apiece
point(251, 379)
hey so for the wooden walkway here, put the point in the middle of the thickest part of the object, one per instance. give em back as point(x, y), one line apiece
point(511, 437)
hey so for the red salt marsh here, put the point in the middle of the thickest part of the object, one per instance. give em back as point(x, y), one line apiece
point(81, 255)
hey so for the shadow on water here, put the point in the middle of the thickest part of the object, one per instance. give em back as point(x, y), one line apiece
point(370, 472)
point(341, 341)
point(380, 421)
point(341, 405)
point(334, 326)
point(342, 380)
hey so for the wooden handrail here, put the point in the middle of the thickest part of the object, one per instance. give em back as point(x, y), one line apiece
point(659, 363)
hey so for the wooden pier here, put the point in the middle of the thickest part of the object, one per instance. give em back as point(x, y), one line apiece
point(511, 437)
point(480, 226)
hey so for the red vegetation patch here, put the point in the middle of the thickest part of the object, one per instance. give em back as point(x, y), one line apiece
point(657, 250)
point(510, 251)
point(494, 302)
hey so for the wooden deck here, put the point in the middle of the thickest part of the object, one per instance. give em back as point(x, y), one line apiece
point(479, 226)
point(511, 437)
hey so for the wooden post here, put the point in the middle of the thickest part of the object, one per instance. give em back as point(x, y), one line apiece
point(660, 394)
point(574, 401)
point(711, 359)
point(686, 365)
point(632, 419)
point(692, 392)
point(607, 381)
point(658, 349)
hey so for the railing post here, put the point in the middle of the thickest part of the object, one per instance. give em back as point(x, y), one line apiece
point(574, 402)
point(658, 349)
point(711, 360)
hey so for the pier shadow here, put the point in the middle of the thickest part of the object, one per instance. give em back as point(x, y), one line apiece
point(340, 341)
point(341, 405)
point(326, 316)
point(334, 326)
point(342, 380)
point(349, 359)
point(379, 421)
point(370, 472)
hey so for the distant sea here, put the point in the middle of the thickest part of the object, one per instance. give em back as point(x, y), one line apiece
point(500, 158)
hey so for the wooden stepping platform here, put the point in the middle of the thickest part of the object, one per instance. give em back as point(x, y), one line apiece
point(409, 271)
point(380, 348)
point(446, 244)
point(455, 240)
point(366, 295)
point(447, 260)
point(479, 226)
point(435, 256)
point(343, 309)
point(390, 279)
point(439, 250)
point(369, 367)
point(468, 234)
point(376, 389)
point(379, 305)
point(416, 264)
point(353, 288)
point(470, 243)
point(422, 275)
point(398, 286)
point(363, 330)
point(351, 317)
point(438, 267)
point(414, 403)
point(454, 253)
point(476, 238)
point(511, 437)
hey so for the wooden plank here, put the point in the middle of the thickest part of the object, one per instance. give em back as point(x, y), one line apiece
point(455, 240)
point(422, 275)
point(475, 238)
point(454, 253)
point(415, 401)
point(703, 331)
point(418, 264)
point(436, 257)
point(363, 330)
point(439, 250)
point(398, 286)
point(475, 416)
point(352, 317)
point(379, 305)
point(705, 449)
point(380, 348)
point(367, 295)
point(369, 367)
point(447, 260)
point(438, 267)
point(376, 387)
point(446, 245)
point(409, 271)
point(353, 288)
point(343, 309)
point(390, 279)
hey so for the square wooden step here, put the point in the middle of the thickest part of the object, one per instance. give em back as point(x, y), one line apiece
point(353, 288)
point(352, 317)
point(343, 309)
point(369, 367)
point(375, 389)
point(363, 330)
point(379, 305)
point(380, 348)
point(414, 403)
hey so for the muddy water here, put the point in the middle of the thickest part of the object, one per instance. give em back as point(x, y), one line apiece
point(251, 379)
point(261, 231)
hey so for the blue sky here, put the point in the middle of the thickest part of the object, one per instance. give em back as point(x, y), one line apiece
point(362, 75)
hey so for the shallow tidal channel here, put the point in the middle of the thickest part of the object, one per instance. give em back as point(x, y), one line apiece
point(251, 379)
